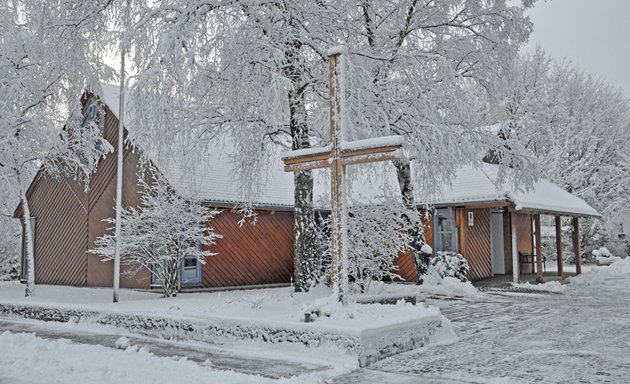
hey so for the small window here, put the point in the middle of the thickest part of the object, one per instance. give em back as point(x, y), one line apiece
point(445, 230)
point(190, 271)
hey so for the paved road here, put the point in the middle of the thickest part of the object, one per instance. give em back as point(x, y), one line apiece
point(581, 336)
point(202, 354)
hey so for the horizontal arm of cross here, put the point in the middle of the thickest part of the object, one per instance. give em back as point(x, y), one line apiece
point(324, 159)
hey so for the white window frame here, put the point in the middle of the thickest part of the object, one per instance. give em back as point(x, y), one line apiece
point(453, 230)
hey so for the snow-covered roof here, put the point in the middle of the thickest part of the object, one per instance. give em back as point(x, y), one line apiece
point(479, 185)
point(111, 97)
point(213, 179)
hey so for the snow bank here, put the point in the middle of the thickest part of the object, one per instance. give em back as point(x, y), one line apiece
point(550, 286)
point(604, 257)
point(598, 275)
point(26, 358)
point(433, 286)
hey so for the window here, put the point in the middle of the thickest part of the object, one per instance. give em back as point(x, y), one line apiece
point(190, 271)
point(445, 230)
point(23, 270)
point(92, 121)
point(92, 113)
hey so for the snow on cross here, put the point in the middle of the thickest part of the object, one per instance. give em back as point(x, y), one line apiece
point(336, 156)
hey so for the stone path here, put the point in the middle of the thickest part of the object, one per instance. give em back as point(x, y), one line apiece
point(581, 336)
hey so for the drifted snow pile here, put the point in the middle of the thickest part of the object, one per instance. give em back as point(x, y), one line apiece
point(550, 286)
point(55, 362)
point(604, 257)
point(620, 268)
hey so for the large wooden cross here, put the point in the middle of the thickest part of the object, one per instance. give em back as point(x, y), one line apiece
point(336, 155)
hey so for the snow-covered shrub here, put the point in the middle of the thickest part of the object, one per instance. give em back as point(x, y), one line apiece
point(602, 252)
point(376, 235)
point(160, 233)
point(450, 264)
point(256, 300)
point(317, 271)
point(593, 236)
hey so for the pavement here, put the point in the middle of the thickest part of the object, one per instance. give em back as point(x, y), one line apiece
point(580, 336)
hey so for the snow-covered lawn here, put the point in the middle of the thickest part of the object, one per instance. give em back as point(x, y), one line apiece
point(579, 335)
point(258, 319)
point(272, 305)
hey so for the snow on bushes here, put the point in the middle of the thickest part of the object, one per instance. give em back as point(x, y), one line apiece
point(160, 234)
point(449, 264)
point(603, 256)
point(376, 236)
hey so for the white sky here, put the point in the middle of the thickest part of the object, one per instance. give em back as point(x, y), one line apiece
point(593, 34)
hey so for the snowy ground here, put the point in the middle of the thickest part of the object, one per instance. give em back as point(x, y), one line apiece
point(579, 334)
point(335, 342)
point(277, 306)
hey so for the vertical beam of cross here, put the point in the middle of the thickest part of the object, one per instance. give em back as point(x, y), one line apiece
point(336, 156)
point(339, 267)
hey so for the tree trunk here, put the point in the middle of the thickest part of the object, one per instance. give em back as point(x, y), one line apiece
point(306, 246)
point(416, 229)
point(28, 237)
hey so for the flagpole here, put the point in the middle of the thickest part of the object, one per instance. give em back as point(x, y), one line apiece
point(119, 172)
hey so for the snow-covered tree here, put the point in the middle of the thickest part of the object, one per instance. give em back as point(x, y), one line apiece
point(9, 232)
point(425, 70)
point(160, 234)
point(43, 72)
point(257, 71)
point(578, 129)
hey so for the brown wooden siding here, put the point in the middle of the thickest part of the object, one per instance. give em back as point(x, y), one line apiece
point(406, 266)
point(250, 254)
point(59, 257)
point(477, 243)
point(102, 206)
point(69, 218)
